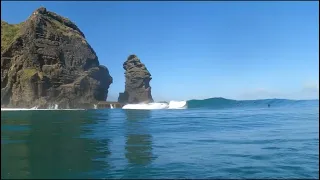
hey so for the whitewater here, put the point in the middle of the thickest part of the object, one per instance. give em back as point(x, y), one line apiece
point(50, 108)
point(170, 105)
point(213, 138)
point(212, 103)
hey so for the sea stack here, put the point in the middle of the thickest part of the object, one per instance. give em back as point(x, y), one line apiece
point(46, 60)
point(137, 85)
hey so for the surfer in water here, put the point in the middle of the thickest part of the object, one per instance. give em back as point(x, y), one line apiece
point(268, 105)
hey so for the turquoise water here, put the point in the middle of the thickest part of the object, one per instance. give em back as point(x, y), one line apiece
point(212, 141)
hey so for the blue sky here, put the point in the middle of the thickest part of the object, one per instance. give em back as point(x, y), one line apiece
point(197, 50)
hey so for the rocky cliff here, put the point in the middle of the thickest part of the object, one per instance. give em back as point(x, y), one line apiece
point(137, 85)
point(46, 60)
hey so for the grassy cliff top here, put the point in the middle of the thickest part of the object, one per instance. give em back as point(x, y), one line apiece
point(8, 33)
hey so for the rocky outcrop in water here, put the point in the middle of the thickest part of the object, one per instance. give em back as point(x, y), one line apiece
point(46, 60)
point(137, 85)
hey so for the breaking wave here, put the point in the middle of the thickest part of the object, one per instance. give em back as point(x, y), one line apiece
point(170, 105)
point(212, 103)
point(221, 103)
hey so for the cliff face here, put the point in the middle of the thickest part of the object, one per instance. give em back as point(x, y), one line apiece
point(46, 60)
point(137, 87)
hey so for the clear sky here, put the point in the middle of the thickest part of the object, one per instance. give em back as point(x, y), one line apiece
point(196, 50)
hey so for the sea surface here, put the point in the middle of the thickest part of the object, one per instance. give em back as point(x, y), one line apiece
point(215, 138)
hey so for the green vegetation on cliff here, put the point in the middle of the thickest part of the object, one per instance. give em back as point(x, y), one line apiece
point(8, 33)
point(28, 73)
point(43, 58)
point(66, 30)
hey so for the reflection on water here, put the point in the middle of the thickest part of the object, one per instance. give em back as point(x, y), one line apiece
point(138, 139)
point(49, 145)
point(239, 143)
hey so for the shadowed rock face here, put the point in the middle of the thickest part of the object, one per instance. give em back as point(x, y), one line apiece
point(46, 60)
point(137, 87)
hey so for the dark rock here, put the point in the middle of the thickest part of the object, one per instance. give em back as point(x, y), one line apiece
point(123, 97)
point(137, 87)
point(46, 60)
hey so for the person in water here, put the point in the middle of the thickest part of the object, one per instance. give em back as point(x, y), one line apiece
point(268, 105)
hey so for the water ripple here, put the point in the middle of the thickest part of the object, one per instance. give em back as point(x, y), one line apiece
point(191, 143)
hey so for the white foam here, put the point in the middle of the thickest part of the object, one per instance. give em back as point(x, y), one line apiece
point(171, 105)
point(15, 109)
point(177, 104)
point(55, 106)
point(36, 107)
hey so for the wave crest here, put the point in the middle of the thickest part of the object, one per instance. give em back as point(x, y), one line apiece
point(220, 103)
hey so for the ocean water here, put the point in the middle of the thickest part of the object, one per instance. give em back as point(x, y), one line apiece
point(214, 138)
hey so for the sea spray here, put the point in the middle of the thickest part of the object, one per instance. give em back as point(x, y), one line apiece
point(177, 104)
point(50, 107)
point(35, 107)
point(53, 106)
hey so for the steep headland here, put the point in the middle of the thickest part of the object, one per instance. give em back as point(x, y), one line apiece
point(137, 85)
point(46, 60)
